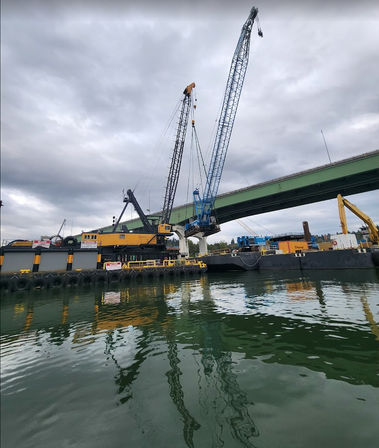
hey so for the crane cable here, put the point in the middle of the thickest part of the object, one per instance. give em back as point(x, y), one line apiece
point(159, 144)
point(199, 157)
point(189, 168)
point(189, 175)
point(195, 138)
point(191, 171)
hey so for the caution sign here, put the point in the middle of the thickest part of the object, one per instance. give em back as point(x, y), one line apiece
point(112, 265)
point(88, 244)
point(41, 243)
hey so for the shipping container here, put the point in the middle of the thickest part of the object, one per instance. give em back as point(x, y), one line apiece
point(291, 247)
point(344, 241)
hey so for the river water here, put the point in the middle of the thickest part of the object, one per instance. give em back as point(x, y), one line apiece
point(246, 359)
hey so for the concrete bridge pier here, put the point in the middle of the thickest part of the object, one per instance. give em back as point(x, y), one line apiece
point(203, 246)
point(183, 241)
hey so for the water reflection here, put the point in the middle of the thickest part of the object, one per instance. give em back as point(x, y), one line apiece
point(174, 305)
point(176, 390)
point(369, 316)
point(201, 331)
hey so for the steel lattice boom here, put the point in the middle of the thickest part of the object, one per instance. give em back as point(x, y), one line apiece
point(204, 206)
point(176, 161)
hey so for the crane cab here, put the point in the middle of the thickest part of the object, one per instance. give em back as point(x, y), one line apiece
point(164, 229)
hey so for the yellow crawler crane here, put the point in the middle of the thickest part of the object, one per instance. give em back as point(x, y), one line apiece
point(342, 203)
point(146, 243)
point(128, 239)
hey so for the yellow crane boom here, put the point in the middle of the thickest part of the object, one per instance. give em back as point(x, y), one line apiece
point(342, 203)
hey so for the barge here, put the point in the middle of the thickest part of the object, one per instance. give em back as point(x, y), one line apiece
point(334, 259)
point(27, 280)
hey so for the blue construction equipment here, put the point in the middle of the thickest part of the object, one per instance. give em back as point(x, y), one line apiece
point(205, 222)
point(245, 241)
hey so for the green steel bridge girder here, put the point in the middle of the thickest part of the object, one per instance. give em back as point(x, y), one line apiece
point(349, 176)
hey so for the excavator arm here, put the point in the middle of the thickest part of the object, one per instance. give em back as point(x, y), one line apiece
point(342, 203)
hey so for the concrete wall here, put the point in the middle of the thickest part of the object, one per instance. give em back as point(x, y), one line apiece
point(84, 260)
point(14, 261)
point(50, 261)
point(53, 261)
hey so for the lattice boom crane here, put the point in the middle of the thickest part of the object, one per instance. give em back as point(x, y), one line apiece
point(176, 161)
point(204, 206)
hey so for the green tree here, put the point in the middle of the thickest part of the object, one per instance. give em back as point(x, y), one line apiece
point(193, 248)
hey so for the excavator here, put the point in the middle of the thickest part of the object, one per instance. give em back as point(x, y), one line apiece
point(373, 230)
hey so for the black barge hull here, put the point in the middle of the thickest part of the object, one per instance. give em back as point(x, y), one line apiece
point(336, 259)
point(11, 282)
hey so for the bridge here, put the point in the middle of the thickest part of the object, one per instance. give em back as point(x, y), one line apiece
point(349, 176)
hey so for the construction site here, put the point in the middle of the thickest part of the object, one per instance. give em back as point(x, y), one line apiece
point(145, 238)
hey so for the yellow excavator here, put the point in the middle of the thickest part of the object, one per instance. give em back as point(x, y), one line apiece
point(372, 229)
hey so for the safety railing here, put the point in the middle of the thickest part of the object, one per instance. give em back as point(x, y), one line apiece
point(158, 264)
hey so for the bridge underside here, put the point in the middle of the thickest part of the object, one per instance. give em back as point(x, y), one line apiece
point(351, 184)
point(350, 176)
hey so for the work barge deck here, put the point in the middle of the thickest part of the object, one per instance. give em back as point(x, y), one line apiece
point(23, 281)
point(307, 260)
point(26, 279)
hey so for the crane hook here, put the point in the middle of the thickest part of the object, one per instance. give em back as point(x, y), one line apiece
point(260, 33)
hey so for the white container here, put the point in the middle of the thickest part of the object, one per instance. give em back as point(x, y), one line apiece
point(342, 241)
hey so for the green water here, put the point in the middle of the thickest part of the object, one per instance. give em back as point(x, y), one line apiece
point(224, 360)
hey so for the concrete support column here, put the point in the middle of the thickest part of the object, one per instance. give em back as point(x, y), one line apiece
point(203, 246)
point(183, 241)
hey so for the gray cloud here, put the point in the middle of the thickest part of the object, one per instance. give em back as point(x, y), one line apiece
point(87, 92)
point(213, 9)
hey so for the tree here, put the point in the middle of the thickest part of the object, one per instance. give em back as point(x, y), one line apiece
point(193, 248)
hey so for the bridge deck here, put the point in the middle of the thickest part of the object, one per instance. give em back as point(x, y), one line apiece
point(349, 176)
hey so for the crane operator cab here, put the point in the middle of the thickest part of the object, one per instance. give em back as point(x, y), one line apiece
point(164, 229)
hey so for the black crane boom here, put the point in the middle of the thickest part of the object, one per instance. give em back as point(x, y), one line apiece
point(176, 161)
point(130, 198)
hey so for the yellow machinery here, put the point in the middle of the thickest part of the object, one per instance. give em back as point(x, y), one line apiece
point(291, 247)
point(147, 243)
point(127, 238)
point(151, 240)
point(342, 203)
point(147, 264)
point(21, 243)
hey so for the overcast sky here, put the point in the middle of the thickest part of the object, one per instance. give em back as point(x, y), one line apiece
point(87, 93)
